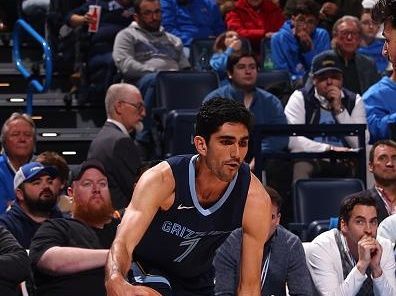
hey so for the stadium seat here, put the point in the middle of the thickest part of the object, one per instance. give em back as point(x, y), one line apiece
point(176, 91)
point(199, 47)
point(179, 132)
point(183, 89)
point(276, 82)
point(319, 199)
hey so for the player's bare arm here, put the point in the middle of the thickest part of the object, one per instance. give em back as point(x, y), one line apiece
point(256, 227)
point(153, 191)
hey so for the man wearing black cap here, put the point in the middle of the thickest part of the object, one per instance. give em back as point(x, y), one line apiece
point(36, 200)
point(323, 101)
point(68, 255)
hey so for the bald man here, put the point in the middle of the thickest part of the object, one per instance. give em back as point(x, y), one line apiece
point(113, 145)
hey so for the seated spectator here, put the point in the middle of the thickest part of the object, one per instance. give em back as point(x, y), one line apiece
point(266, 108)
point(352, 260)
point(359, 71)
point(50, 158)
point(255, 20)
point(114, 147)
point(332, 10)
point(325, 101)
point(142, 50)
point(115, 15)
point(36, 200)
point(62, 38)
point(370, 45)
point(226, 44)
point(18, 138)
point(192, 19)
point(15, 264)
point(283, 260)
point(297, 42)
point(145, 47)
point(382, 164)
point(68, 254)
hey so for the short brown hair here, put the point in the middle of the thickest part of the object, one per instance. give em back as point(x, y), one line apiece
point(51, 158)
point(386, 142)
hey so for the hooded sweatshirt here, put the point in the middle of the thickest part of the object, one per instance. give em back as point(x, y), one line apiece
point(287, 54)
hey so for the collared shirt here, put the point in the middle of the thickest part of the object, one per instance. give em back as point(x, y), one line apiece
point(120, 125)
point(387, 202)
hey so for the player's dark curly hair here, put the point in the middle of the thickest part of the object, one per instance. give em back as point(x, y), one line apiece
point(217, 111)
point(384, 10)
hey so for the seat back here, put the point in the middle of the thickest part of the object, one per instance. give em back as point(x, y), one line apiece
point(199, 47)
point(265, 54)
point(179, 132)
point(184, 90)
point(276, 82)
point(320, 198)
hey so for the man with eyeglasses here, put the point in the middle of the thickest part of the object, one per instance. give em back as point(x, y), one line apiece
point(299, 39)
point(114, 146)
point(379, 99)
point(351, 260)
point(360, 72)
point(142, 50)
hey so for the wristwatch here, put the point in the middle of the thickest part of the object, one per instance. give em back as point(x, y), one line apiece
point(339, 111)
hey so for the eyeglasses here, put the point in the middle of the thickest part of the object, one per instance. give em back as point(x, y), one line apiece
point(346, 34)
point(140, 107)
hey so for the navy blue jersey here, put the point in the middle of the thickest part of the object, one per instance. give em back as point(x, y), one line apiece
point(180, 242)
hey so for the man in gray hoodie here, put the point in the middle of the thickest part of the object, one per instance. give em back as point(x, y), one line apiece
point(142, 50)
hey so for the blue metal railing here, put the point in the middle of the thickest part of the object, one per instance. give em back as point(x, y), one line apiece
point(34, 84)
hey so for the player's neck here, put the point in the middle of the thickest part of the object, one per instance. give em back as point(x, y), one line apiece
point(208, 187)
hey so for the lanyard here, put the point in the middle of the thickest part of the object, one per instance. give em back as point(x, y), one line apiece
point(264, 271)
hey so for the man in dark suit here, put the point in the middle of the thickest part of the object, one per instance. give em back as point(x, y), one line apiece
point(114, 147)
point(382, 164)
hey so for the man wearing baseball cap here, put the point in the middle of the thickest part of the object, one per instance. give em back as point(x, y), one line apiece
point(324, 100)
point(68, 255)
point(35, 201)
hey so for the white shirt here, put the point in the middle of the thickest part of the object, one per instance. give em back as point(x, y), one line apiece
point(295, 114)
point(119, 124)
point(324, 263)
point(387, 228)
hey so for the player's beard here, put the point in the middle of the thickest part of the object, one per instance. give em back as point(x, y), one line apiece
point(91, 214)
